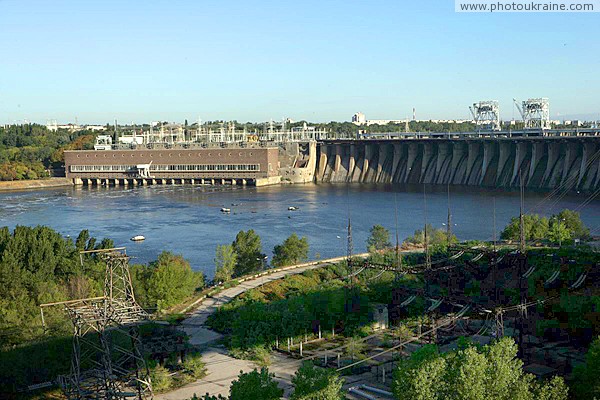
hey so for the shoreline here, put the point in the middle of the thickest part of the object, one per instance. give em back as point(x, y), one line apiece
point(14, 186)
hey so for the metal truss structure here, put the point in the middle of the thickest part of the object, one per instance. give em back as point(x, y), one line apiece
point(486, 114)
point(106, 338)
point(535, 113)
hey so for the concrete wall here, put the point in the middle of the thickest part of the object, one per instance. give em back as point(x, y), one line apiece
point(544, 163)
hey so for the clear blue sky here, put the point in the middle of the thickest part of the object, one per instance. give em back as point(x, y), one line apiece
point(257, 60)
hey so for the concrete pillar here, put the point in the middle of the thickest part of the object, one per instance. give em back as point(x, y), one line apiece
point(520, 155)
point(458, 155)
point(233, 183)
point(429, 152)
point(192, 181)
point(368, 156)
point(474, 149)
point(441, 166)
point(505, 150)
point(77, 181)
point(537, 152)
point(243, 182)
point(489, 151)
point(553, 156)
point(413, 152)
point(351, 163)
point(396, 161)
point(322, 162)
point(588, 150)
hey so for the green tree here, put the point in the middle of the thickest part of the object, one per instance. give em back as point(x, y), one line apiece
point(171, 280)
point(379, 239)
point(587, 376)
point(471, 373)
point(313, 383)
point(534, 226)
point(225, 262)
point(558, 232)
point(293, 251)
point(435, 237)
point(247, 245)
point(255, 385)
point(574, 224)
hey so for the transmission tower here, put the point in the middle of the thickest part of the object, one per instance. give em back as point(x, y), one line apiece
point(118, 369)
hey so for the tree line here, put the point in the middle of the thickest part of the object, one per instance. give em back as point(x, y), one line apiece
point(28, 151)
point(244, 256)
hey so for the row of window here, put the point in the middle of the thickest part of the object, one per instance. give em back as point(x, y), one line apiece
point(176, 167)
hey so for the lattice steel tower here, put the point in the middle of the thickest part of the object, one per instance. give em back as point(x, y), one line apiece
point(106, 337)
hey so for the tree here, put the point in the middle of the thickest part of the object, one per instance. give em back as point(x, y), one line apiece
point(225, 261)
point(293, 251)
point(574, 224)
point(587, 376)
point(171, 280)
point(379, 239)
point(248, 247)
point(313, 383)
point(490, 372)
point(435, 237)
point(255, 385)
point(558, 232)
point(534, 226)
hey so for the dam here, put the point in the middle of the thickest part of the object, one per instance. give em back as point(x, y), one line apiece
point(569, 161)
point(493, 162)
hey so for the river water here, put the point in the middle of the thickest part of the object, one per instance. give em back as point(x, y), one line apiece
point(187, 219)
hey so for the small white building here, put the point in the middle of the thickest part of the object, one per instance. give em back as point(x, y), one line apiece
point(359, 119)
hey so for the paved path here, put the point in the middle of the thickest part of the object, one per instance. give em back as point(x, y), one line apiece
point(221, 368)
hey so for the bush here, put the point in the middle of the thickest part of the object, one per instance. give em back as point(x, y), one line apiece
point(161, 378)
point(194, 365)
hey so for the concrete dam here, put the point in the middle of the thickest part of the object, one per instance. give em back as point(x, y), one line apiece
point(544, 162)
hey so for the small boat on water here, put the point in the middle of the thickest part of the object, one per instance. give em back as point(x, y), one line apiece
point(292, 208)
point(225, 210)
point(138, 238)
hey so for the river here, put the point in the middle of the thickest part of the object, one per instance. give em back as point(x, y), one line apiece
point(187, 219)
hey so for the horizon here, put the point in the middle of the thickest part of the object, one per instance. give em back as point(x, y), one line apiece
point(319, 62)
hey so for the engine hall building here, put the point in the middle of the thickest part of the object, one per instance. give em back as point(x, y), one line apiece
point(257, 166)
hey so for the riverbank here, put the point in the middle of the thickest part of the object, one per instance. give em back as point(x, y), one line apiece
point(6, 186)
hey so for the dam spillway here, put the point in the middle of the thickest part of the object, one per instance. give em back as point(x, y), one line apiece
point(544, 163)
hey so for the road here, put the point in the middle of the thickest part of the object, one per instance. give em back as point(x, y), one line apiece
point(221, 368)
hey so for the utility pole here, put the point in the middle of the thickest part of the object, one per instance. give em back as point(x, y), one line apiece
point(521, 218)
point(425, 235)
point(449, 222)
point(398, 257)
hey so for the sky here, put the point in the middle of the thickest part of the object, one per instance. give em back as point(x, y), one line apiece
point(141, 61)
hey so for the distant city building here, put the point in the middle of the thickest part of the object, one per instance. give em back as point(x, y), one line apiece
point(95, 128)
point(574, 122)
point(53, 127)
point(384, 121)
point(359, 119)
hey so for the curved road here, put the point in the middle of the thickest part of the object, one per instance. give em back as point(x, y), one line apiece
point(221, 368)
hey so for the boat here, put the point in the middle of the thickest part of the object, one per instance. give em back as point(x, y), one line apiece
point(225, 210)
point(138, 238)
point(292, 208)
